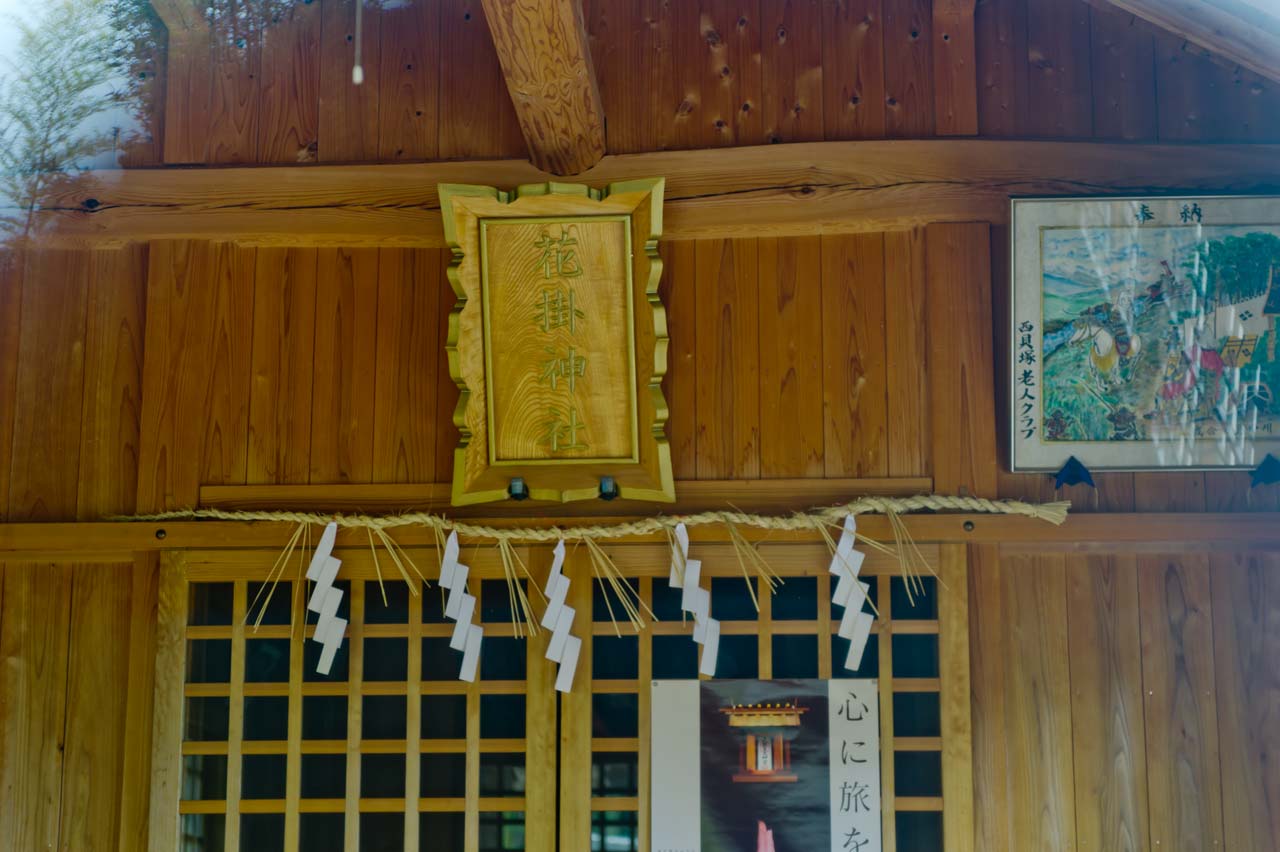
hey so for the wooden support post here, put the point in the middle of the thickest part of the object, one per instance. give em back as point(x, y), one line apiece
point(957, 731)
point(955, 68)
point(542, 45)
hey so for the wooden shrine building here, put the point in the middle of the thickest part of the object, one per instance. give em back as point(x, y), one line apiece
point(232, 278)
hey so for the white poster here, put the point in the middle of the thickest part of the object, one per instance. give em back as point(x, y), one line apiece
point(765, 766)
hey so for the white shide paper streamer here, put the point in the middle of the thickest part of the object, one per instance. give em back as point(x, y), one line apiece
point(564, 647)
point(850, 593)
point(686, 575)
point(460, 607)
point(325, 599)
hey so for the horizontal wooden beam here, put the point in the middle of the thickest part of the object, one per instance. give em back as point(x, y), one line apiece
point(763, 496)
point(107, 541)
point(776, 190)
point(1244, 32)
point(542, 47)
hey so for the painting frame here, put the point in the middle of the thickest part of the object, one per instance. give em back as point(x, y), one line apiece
point(1133, 343)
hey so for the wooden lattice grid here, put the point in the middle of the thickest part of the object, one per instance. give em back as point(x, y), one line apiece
point(552, 745)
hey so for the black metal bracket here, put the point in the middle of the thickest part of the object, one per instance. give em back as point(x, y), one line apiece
point(1073, 473)
point(1266, 473)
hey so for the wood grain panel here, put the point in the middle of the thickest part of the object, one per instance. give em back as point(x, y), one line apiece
point(1059, 80)
point(632, 40)
point(961, 388)
point(447, 435)
point(576, 721)
point(853, 69)
point(717, 50)
point(988, 684)
point(236, 77)
point(791, 419)
point(541, 718)
point(49, 396)
point(906, 353)
point(1183, 776)
point(11, 270)
point(142, 143)
point(33, 671)
point(1232, 491)
point(908, 68)
point(1174, 491)
point(289, 111)
point(409, 82)
point(1123, 71)
point(1203, 101)
point(282, 366)
point(407, 355)
point(677, 291)
point(956, 722)
point(955, 69)
point(853, 342)
point(473, 95)
point(112, 410)
point(344, 359)
point(727, 346)
point(1038, 708)
point(348, 114)
point(196, 371)
point(792, 97)
point(1001, 33)
point(166, 732)
point(1246, 645)
point(1108, 742)
point(135, 770)
point(229, 352)
point(188, 84)
point(98, 667)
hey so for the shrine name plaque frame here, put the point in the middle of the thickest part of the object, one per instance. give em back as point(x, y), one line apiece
point(558, 342)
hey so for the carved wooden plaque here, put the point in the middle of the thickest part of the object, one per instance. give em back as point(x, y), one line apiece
point(558, 341)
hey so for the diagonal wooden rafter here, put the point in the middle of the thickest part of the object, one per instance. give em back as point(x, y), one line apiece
point(180, 15)
point(1245, 32)
point(542, 46)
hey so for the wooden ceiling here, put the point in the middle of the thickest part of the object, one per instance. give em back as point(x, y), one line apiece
point(564, 83)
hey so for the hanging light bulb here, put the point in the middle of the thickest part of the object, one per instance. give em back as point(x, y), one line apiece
point(357, 71)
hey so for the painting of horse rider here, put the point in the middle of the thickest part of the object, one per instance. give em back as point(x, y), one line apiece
point(1153, 328)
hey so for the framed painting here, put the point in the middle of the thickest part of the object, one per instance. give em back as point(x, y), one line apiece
point(1144, 332)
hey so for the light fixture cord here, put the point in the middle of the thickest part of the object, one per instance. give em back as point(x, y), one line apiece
point(357, 72)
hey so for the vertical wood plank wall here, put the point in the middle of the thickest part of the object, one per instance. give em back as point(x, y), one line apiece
point(1119, 701)
point(1116, 700)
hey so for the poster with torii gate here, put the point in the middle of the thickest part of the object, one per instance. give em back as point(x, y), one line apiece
point(1144, 332)
point(765, 766)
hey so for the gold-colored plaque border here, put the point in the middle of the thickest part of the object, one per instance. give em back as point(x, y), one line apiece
point(475, 479)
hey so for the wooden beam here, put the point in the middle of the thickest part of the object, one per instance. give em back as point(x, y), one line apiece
point(117, 541)
point(773, 190)
point(1244, 32)
point(955, 68)
point(542, 46)
point(770, 496)
point(178, 15)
